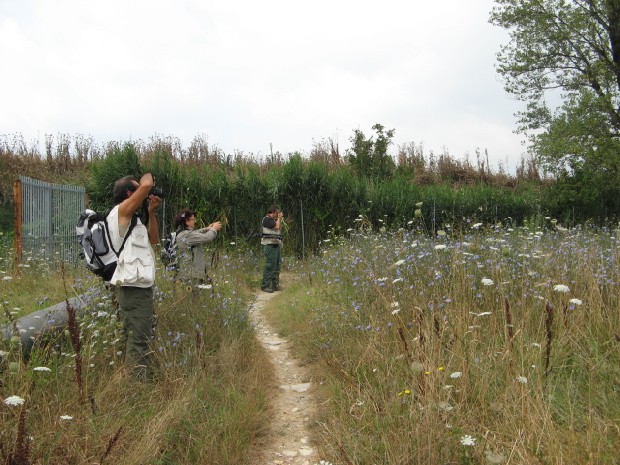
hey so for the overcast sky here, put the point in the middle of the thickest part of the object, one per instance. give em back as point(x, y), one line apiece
point(248, 74)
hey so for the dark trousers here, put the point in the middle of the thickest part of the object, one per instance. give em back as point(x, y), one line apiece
point(137, 315)
point(273, 258)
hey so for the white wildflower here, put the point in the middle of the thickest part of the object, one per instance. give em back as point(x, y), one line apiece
point(204, 286)
point(66, 417)
point(13, 401)
point(561, 288)
point(476, 225)
point(397, 280)
point(396, 307)
point(440, 246)
point(468, 440)
point(445, 406)
point(399, 262)
point(486, 282)
point(456, 374)
point(494, 458)
point(522, 379)
point(41, 369)
point(575, 301)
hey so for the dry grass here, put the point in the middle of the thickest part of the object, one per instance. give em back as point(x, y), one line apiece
point(415, 353)
point(208, 404)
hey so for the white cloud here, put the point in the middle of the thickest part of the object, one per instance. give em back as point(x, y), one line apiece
point(252, 73)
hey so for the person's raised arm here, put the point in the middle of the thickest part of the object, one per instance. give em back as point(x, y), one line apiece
point(134, 200)
point(278, 225)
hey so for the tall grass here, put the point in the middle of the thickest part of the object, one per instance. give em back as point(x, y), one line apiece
point(209, 403)
point(316, 193)
point(496, 346)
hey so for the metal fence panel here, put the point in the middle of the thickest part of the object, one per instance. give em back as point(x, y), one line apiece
point(49, 215)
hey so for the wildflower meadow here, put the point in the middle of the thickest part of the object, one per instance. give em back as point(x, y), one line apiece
point(496, 345)
point(68, 400)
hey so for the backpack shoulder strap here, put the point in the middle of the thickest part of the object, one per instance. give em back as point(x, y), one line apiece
point(134, 221)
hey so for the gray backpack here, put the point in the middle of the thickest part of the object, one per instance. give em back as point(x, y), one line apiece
point(97, 250)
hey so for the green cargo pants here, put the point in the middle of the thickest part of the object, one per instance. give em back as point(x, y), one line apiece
point(271, 273)
point(137, 315)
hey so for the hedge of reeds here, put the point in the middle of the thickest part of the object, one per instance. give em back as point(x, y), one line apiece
point(314, 198)
point(318, 194)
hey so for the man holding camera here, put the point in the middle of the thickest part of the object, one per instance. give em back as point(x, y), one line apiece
point(271, 240)
point(134, 276)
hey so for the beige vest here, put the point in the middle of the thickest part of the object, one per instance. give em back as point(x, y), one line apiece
point(136, 264)
point(270, 239)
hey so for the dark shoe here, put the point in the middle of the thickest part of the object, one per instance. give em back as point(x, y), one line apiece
point(276, 288)
point(266, 289)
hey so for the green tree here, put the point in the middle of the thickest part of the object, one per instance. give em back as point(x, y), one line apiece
point(568, 50)
point(369, 157)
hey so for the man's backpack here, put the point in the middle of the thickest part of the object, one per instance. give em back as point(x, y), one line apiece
point(169, 255)
point(97, 250)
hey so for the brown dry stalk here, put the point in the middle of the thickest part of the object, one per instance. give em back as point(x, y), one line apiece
point(199, 341)
point(420, 325)
point(509, 326)
point(549, 336)
point(111, 443)
point(565, 314)
point(76, 343)
point(22, 449)
point(401, 333)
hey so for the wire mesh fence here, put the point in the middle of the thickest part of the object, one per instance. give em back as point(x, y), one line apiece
point(49, 212)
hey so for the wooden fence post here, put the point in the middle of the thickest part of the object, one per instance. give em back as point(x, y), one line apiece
point(17, 198)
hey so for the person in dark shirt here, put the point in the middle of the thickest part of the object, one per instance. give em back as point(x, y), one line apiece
point(271, 240)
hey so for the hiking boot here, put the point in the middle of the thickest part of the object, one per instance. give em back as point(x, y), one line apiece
point(266, 289)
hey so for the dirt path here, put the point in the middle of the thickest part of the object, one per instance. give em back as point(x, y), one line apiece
point(293, 404)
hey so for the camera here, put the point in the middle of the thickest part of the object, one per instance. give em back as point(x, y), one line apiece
point(157, 192)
